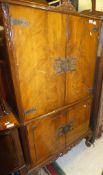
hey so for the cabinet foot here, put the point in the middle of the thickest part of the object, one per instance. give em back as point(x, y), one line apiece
point(88, 143)
point(89, 140)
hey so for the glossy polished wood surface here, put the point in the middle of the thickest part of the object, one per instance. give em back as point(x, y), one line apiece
point(8, 122)
point(53, 134)
point(79, 116)
point(46, 137)
point(37, 51)
point(82, 46)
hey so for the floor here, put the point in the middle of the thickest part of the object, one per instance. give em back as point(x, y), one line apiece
point(82, 160)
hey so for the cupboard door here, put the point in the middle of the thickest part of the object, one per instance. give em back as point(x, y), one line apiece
point(39, 43)
point(78, 118)
point(81, 53)
point(46, 138)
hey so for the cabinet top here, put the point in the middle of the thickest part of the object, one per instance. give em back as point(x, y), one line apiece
point(63, 8)
point(41, 4)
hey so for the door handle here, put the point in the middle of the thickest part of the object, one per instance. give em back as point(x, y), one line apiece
point(60, 131)
point(68, 127)
point(65, 129)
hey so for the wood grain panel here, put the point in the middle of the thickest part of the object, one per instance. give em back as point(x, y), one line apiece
point(44, 137)
point(82, 46)
point(79, 116)
point(38, 43)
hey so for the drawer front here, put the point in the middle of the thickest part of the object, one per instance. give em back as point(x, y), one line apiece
point(78, 119)
point(46, 138)
point(11, 157)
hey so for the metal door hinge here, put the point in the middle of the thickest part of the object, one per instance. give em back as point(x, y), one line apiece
point(29, 111)
point(19, 21)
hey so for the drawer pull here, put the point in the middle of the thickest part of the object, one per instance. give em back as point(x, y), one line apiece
point(65, 129)
point(68, 127)
point(61, 131)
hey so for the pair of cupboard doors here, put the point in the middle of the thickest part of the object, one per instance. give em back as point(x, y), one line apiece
point(51, 136)
point(55, 58)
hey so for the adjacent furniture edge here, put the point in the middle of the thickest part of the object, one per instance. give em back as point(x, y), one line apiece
point(8, 122)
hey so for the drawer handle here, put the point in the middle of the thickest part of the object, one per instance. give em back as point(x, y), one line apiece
point(65, 129)
point(60, 131)
point(68, 127)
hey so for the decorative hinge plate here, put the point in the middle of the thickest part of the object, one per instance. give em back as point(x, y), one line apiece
point(19, 21)
point(29, 111)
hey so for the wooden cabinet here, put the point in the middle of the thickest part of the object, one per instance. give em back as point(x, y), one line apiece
point(53, 58)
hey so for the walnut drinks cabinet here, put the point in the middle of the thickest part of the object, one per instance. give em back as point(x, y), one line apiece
point(51, 62)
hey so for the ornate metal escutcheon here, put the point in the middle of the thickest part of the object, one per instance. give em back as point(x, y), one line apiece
point(63, 65)
point(70, 64)
point(59, 66)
